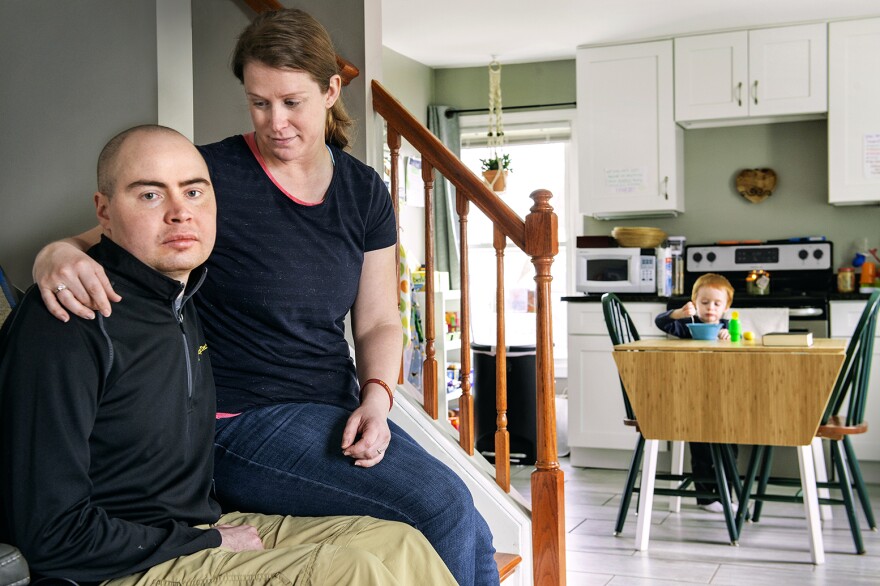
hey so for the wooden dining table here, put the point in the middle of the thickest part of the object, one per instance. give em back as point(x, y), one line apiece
point(726, 392)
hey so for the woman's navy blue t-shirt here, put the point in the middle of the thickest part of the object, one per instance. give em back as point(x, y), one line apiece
point(282, 277)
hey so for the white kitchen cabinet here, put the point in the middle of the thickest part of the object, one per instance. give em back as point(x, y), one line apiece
point(728, 77)
point(844, 317)
point(447, 346)
point(853, 112)
point(632, 158)
point(595, 402)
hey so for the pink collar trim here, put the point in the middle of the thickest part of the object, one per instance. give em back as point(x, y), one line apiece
point(251, 141)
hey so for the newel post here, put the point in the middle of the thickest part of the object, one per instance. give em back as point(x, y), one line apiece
point(548, 510)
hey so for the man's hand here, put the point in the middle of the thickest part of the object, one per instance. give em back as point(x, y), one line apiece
point(370, 423)
point(69, 278)
point(240, 537)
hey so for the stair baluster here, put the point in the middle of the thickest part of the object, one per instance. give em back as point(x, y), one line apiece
point(502, 436)
point(466, 401)
point(393, 140)
point(429, 371)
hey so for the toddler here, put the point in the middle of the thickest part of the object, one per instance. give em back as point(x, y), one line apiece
point(712, 295)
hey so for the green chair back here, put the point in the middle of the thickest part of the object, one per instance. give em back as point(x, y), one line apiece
point(852, 382)
point(622, 330)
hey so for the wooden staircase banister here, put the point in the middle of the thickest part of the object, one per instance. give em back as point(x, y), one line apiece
point(441, 158)
point(537, 237)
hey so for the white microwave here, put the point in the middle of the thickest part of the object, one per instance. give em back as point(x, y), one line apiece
point(616, 270)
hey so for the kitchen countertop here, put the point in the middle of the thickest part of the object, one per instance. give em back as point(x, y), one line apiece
point(625, 297)
point(649, 298)
point(848, 296)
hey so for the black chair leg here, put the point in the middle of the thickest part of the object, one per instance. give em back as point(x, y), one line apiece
point(846, 490)
point(631, 476)
point(723, 492)
point(732, 469)
point(859, 482)
point(742, 511)
point(762, 484)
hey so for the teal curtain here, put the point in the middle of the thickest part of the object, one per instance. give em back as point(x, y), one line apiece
point(446, 239)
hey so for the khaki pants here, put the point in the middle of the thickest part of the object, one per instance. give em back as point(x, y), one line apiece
point(308, 551)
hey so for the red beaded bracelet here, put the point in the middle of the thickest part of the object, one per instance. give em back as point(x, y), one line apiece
point(384, 385)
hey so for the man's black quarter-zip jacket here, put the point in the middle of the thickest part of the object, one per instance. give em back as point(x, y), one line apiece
point(106, 429)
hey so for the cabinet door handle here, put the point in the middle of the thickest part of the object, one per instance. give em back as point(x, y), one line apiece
point(666, 187)
point(756, 92)
point(739, 94)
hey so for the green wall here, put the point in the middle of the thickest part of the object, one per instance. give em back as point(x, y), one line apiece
point(417, 86)
point(521, 84)
point(798, 153)
point(413, 85)
point(409, 81)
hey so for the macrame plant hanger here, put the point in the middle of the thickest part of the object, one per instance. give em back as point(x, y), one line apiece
point(496, 123)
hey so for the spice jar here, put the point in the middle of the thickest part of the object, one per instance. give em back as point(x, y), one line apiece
point(868, 272)
point(758, 282)
point(846, 280)
point(866, 282)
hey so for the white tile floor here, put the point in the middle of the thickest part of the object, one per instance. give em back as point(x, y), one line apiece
point(692, 546)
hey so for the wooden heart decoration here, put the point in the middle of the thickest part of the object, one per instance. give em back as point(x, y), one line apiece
point(756, 185)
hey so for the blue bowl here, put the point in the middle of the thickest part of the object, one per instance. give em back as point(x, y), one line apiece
point(704, 331)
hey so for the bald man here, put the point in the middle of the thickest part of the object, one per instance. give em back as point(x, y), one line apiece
point(107, 425)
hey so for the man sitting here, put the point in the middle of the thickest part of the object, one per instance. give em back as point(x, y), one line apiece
point(107, 425)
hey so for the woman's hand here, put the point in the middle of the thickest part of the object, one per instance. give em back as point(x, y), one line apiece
point(378, 342)
point(369, 422)
point(68, 278)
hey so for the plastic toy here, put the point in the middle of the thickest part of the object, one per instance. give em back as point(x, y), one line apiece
point(733, 326)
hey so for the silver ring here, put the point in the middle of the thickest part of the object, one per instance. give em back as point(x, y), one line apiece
point(61, 287)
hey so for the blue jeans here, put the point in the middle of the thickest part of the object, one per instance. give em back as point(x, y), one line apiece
point(286, 460)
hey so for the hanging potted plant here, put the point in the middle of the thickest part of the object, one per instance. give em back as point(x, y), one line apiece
point(495, 170)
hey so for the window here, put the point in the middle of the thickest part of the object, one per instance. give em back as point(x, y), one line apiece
point(541, 154)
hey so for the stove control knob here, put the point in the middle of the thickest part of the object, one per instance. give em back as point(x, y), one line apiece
point(803, 254)
point(698, 256)
point(817, 254)
point(711, 257)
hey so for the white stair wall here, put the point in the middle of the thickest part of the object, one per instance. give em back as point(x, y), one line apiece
point(508, 515)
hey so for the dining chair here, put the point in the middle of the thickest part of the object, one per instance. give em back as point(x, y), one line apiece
point(837, 425)
point(622, 330)
point(9, 296)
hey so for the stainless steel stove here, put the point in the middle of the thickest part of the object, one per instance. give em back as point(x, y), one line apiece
point(801, 276)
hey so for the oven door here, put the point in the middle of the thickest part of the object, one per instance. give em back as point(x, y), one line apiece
point(813, 319)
